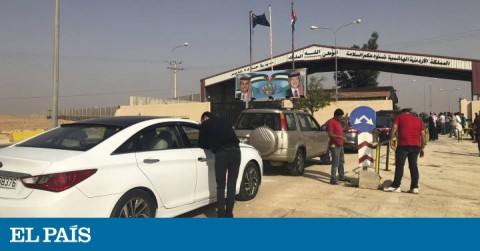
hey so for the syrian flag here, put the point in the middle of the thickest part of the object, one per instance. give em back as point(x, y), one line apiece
point(260, 20)
point(294, 19)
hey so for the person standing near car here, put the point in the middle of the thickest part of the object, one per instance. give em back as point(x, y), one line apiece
point(217, 134)
point(442, 121)
point(335, 132)
point(476, 129)
point(411, 142)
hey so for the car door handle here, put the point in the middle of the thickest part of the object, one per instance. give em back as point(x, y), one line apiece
point(150, 161)
point(202, 159)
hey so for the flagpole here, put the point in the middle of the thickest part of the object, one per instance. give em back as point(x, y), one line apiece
point(293, 47)
point(250, 21)
point(271, 41)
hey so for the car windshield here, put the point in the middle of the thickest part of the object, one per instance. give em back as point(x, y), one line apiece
point(250, 121)
point(78, 137)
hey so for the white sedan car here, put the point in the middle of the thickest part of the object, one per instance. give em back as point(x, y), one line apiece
point(116, 167)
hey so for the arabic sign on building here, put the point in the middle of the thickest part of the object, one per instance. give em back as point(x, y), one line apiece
point(320, 52)
point(271, 84)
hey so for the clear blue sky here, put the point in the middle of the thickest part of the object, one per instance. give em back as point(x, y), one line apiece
point(113, 49)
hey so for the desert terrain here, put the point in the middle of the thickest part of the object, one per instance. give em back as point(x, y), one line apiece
point(10, 123)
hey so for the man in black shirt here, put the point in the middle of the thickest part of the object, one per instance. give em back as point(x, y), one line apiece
point(217, 134)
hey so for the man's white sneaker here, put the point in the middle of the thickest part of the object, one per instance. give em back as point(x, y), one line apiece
point(392, 189)
point(414, 191)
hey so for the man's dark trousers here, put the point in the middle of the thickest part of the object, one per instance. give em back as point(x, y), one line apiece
point(227, 162)
point(401, 155)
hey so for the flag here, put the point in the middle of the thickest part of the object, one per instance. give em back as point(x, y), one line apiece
point(260, 20)
point(294, 19)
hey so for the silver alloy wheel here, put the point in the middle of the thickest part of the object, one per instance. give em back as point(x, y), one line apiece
point(135, 208)
point(300, 163)
point(297, 167)
point(251, 180)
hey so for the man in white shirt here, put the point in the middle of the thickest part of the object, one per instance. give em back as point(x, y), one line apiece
point(441, 120)
point(458, 125)
point(245, 90)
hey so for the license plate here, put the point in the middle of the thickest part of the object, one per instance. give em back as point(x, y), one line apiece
point(8, 182)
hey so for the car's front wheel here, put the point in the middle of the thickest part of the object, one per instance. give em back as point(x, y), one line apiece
point(297, 168)
point(250, 182)
point(134, 204)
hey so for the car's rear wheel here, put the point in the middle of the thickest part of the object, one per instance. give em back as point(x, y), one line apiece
point(134, 204)
point(250, 182)
point(297, 168)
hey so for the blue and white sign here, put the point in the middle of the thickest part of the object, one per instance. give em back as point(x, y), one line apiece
point(363, 118)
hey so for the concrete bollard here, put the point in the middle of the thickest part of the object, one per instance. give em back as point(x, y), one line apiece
point(368, 179)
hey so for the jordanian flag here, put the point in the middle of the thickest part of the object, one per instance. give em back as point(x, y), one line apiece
point(294, 20)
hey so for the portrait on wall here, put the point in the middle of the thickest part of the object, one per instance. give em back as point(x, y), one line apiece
point(271, 85)
point(244, 90)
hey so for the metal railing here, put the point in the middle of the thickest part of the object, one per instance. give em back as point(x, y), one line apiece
point(76, 114)
point(378, 149)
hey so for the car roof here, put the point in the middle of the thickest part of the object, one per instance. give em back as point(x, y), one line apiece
point(119, 121)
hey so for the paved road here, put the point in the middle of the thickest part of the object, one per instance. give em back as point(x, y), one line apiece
point(449, 176)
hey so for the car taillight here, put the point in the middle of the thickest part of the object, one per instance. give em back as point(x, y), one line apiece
point(386, 129)
point(283, 122)
point(352, 130)
point(57, 182)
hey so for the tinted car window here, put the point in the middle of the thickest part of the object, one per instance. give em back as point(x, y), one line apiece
point(250, 121)
point(291, 125)
point(312, 123)
point(307, 123)
point(72, 137)
point(158, 138)
point(190, 135)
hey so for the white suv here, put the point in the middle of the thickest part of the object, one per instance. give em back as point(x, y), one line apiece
point(283, 137)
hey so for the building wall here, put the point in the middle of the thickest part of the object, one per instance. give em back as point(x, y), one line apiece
point(191, 111)
point(469, 108)
point(348, 106)
point(194, 110)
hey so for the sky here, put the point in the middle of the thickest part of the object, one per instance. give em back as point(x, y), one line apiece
point(113, 49)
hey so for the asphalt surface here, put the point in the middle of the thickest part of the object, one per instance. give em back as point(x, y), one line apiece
point(449, 174)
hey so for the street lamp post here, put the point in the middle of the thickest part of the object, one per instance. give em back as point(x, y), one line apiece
point(424, 94)
point(314, 27)
point(174, 67)
point(449, 92)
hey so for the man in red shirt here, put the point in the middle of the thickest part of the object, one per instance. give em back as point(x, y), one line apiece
point(335, 132)
point(411, 142)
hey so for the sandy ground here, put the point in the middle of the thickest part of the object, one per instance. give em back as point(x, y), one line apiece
point(449, 175)
point(9, 123)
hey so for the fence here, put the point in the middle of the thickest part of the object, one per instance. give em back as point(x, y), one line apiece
point(84, 113)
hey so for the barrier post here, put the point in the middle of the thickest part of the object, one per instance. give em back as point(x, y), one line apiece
point(388, 155)
point(377, 157)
